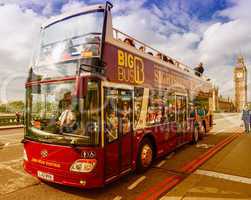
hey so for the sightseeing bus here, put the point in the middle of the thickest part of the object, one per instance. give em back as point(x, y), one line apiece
point(98, 108)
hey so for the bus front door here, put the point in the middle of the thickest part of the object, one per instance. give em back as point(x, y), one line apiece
point(118, 132)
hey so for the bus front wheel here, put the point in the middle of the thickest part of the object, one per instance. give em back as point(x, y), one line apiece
point(145, 155)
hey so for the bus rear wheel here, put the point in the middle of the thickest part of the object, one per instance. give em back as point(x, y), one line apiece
point(145, 155)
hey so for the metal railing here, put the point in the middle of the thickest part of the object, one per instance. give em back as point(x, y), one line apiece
point(11, 120)
point(118, 35)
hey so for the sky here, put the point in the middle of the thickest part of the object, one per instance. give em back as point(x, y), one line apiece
point(214, 32)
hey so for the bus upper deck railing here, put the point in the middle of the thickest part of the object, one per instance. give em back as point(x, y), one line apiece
point(118, 35)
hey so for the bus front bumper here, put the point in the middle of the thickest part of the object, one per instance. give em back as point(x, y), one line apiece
point(80, 180)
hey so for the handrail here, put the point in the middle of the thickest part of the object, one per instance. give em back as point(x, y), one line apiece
point(175, 62)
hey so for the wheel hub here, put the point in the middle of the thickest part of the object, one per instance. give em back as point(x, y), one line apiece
point(146, 155)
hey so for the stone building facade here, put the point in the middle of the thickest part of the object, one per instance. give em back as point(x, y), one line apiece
point(240, 82)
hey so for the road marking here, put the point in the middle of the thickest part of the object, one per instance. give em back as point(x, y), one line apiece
point(6, 144)
point(117, 198)
point(13, 144)
point(204, 146)
point(135, 183)
point(228, 177)
point(8, 162)
point(11, 134)
point(19, 172)
point(161, 163)
point(170, 155)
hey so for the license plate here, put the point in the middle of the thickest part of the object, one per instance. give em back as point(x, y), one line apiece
point(45, 176)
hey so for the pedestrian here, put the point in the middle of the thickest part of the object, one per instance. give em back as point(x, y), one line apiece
point(18, 115)
point(246, 115)
point(199, 69)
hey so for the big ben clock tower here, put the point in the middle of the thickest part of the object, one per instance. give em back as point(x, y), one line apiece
point(240, 80)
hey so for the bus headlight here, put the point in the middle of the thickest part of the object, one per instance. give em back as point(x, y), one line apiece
point(83, 165)
point(25, 157)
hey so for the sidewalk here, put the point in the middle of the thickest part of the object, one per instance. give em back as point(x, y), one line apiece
point(11, 127)
point(225, 176)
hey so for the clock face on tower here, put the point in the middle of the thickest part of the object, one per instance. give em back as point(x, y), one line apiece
point(239, 75)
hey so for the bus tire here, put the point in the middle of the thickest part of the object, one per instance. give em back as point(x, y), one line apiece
point(145, 155)
point(196, 135)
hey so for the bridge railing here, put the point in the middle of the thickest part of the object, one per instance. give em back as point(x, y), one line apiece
point(11, 120)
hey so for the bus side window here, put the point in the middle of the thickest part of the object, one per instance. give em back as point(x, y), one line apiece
point(155, 107)
point(181, 107)
point(111, 114)
point(169, 107)
point(159, 106)
point(138, 97)
point(125, 111)
point(150, 110)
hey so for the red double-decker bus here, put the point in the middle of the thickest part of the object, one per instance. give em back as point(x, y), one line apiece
point(98, 107)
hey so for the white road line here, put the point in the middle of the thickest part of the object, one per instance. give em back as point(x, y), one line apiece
point(13, 144)
point(200, 198)
point(135, 183)
point(11, 134)
point(161, 163)
point(228, 177)
point(6, 144)
point(225, 129)
point(117, 198)
point(8, 162)
point(19, 172)
point(170, 155)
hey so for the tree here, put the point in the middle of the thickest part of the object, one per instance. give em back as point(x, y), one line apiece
point(16, 106)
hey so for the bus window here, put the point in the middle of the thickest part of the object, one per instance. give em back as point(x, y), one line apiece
point(155, 107)
point(125, 111)
point(169, 107)
point(181, 109)
point(111, 114)
point(138, 97)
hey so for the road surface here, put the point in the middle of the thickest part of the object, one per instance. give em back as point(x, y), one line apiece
point(226, 175)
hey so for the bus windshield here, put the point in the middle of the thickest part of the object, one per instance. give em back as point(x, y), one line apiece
point(71, 37)
point(57, 116)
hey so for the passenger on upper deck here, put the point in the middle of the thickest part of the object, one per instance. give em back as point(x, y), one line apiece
point(158, 55)
point(170, 61)
point(199, 69)
point(142, 48)
point(129, 42)
point(165, 58)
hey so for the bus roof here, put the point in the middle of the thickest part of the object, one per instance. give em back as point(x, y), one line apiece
point(116, 33)
point(79, 11)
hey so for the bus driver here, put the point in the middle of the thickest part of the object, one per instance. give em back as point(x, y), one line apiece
point(67, 119)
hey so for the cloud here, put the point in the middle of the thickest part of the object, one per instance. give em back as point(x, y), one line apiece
point(174, 27)
point(17, 34)
point(216, 43)
point(71, 6)
point(240, 9)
